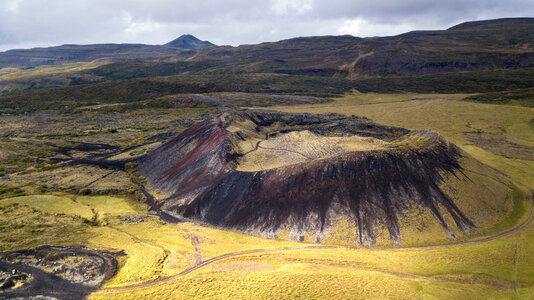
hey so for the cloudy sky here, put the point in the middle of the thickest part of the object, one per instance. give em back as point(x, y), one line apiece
point(30, 23)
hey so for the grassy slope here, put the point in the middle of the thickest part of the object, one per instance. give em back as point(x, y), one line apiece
point(521, 97)
point(52, 205)
point(15, 74)
point(15, 79)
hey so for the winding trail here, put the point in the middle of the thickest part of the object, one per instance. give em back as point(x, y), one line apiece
point(525, 224)
point(197, 258)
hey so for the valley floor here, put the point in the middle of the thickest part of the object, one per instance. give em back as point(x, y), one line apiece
point(187, 260)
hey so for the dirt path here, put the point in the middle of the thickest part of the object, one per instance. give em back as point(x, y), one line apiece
point(197, 258)
point(355, 62)
point(202, 264)
point(259, 146)
point(212, 260)
point(137, 239)
point(198, 265)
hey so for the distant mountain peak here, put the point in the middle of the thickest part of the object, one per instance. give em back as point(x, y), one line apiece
point(188, 41)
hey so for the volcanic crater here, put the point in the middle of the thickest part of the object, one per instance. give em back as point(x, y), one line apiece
point(323, 178)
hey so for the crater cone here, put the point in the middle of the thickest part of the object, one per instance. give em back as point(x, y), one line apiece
point(326, 178)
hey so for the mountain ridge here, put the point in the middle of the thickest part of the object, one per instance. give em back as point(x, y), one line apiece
point(469, 46)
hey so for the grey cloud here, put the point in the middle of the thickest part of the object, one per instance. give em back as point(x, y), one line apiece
point(52, 22)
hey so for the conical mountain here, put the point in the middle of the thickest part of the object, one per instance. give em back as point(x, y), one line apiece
point(188, 41)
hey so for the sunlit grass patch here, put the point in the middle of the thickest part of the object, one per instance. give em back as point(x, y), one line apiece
point(519, 169)
point(7, 74)
point(22, 226)
point(113, 205)
point(301, 146)
point(306, 281)
point(142, 262)
point(170, 238)
point(215, 242)
point(52, 204)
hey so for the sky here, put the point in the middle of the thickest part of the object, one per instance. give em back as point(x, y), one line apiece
point(33, 23)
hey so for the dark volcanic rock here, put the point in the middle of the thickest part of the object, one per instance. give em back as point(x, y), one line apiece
point(202, 172)
point(55, 271)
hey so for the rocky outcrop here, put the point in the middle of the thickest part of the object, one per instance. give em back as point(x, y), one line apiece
point(55, 272)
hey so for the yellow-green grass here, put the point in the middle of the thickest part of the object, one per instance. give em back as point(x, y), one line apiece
point(520, 170)
point(498, 269)
point(494, 260)
point(142, 262)
point(291, 283)
point(116, 206)
point(214, 242)
point(489, 199)
point(446, 114)
point(156, 250)
point(72, 178)
point(311, 273)
point(8, 74)
point(153, 248)
point(169, 239)
point(145, 258)
point(22, 226)
point(136, 152)
point(356, 97)
point(300, 146)
point(52, 204)
point(307, 281)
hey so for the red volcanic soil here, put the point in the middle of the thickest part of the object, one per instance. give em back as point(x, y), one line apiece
point(199, 170)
